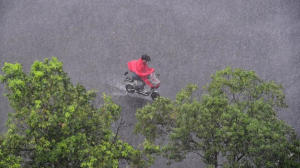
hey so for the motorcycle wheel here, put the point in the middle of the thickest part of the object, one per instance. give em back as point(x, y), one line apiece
point(154, 95)
point(130, 88)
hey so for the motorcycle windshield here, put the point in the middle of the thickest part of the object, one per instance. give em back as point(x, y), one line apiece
point(153, 80)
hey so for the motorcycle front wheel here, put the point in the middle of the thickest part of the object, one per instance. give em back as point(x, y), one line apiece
point(154, 95)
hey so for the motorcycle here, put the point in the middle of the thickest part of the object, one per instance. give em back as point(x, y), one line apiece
point(132, 86)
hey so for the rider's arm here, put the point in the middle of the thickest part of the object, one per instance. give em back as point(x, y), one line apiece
point(146, 80)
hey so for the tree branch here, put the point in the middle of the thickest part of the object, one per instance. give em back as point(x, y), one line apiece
point(118, 129)
point(240, 157)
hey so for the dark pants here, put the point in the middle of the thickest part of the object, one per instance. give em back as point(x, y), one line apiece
point(136, 77)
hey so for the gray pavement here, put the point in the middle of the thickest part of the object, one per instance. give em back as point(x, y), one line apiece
point(187, 40)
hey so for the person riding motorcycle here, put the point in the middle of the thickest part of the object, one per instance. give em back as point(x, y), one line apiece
point(141, 71)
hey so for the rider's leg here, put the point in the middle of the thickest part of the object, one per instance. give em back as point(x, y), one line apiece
point(142, 85)
point(136, 77)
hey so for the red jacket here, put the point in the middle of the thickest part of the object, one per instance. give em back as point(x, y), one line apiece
point(141, 69)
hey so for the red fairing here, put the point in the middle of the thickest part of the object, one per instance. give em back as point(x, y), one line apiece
point(141, 69)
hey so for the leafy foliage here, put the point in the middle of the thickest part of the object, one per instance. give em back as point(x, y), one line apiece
point(56, 124)
point(235, 120)
point(7, 159)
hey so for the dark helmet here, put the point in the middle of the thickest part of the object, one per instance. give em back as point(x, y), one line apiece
point(146, 57)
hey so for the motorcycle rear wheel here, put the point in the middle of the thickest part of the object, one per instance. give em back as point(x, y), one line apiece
point(130, 88)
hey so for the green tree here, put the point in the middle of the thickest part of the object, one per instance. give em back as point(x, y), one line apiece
point(57, 124)
point(235, 120)
point(7, 159)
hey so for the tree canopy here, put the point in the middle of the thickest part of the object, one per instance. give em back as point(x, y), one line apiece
point(57, 124)
point(235, 120)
